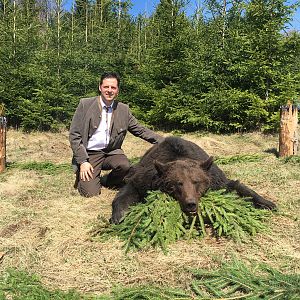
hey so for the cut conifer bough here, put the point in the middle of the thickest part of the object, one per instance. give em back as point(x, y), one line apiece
point(159, 221)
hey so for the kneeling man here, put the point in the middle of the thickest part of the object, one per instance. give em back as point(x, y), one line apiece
point(97, 132)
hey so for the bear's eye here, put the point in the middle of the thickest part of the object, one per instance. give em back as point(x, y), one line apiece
point(170, 186)
point(196, 183)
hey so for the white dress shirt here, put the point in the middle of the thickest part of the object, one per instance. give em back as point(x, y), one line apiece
point(100, 139)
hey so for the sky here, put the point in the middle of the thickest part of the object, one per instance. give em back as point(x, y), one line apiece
point(147, 6)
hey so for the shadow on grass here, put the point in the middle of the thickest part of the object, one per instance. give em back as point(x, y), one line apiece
point(272, 151)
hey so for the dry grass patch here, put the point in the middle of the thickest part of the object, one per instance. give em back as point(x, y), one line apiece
point(35, 146)
point(45, 225)
point(13, 183)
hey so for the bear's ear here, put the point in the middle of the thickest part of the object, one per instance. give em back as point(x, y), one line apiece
point(160, 167)
point(205, 165)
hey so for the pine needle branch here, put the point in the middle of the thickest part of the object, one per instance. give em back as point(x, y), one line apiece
point(159, 221)
point(238, 282)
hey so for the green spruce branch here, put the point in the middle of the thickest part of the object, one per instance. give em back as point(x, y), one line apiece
point(238, 158)
point(234, 280)
point(238, 281)
point(159, 221)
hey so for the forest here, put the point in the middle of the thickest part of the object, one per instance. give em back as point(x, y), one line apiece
point(227, 67)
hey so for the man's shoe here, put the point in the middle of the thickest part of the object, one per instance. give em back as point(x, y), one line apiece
point(103, 180)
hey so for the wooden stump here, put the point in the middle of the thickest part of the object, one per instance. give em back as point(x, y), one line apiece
point(2, 143)
point(288, 135)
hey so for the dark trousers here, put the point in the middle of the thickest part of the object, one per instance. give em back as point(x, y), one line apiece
point(118, 163)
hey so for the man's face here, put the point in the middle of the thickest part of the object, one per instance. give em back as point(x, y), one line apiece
point(109, 90)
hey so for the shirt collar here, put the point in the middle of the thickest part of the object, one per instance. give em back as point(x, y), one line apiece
point(103, 104)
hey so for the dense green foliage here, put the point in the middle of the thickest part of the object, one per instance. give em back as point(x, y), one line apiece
point(227, 67)
point(159, 221)
point(232, 281)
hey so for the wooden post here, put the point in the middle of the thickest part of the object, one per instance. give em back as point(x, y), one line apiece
point(288, 135)
point(2, 143)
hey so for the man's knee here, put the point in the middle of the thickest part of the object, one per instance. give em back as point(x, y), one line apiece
point(88, 192)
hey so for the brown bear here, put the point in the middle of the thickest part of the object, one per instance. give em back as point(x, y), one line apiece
point(181, 169)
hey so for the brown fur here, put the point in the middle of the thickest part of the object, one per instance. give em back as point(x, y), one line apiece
point(181, 169)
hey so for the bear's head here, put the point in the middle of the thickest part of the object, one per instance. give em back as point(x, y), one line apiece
point(185, 180)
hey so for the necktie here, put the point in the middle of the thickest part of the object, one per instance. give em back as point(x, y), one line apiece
point(107, 124)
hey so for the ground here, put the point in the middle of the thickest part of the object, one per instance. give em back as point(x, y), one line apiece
point(45, 225)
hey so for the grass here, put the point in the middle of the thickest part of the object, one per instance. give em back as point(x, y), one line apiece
point(45, 225)
point(230, 281)
point(292, 159)
point(45, 167)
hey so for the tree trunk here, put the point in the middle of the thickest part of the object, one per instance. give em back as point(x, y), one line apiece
point(288, 135)
point(14, 29)
point(58, 33)
point(119, 18)
point(224, 13)
point(2, 143)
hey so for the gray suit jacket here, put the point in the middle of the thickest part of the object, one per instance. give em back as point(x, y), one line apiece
point(87, 119)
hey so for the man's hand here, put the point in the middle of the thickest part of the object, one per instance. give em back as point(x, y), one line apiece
point(86, 171)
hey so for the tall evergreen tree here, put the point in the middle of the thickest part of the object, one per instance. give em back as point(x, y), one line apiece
point(227, 68)
point(166, 61)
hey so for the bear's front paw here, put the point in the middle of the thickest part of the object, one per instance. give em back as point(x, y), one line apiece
point(114, 220)
point(232, 184)
point(116, 217)
point(267, 204)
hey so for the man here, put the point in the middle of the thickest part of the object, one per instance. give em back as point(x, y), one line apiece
point(97, 132)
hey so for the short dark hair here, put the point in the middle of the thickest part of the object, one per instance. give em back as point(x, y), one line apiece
point(106, 75)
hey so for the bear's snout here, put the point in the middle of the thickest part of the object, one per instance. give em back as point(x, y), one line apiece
point(191, 206)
